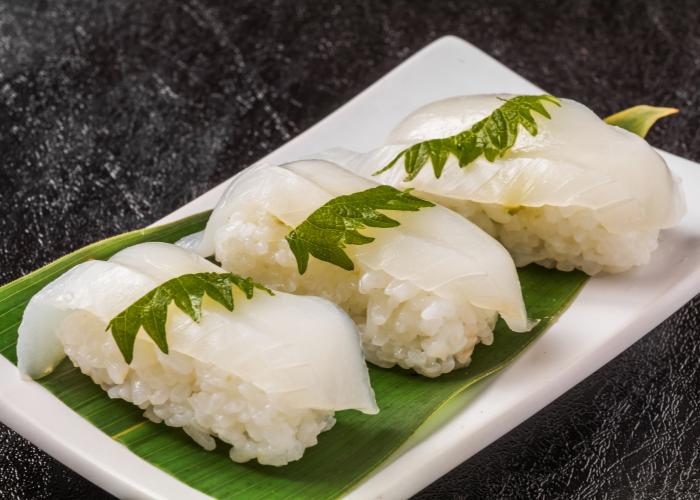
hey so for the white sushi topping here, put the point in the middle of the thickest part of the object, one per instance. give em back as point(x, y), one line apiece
point(433, 254)
point(206, 401)
point(291, 361)
point(491, 137)
point(618, 187)
point(186, 291)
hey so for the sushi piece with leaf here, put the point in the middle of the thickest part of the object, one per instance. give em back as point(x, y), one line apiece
point(554, 183)
point(199, 348)
point(424, 284)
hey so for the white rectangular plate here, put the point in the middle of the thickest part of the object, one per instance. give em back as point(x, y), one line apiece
point(610, 314)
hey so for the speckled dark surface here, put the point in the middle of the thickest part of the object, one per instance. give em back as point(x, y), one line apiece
point(114, 113)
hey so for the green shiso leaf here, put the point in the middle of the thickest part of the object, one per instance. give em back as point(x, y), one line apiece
point(639, 119)
point(345, 455)
point(492, 137)
point(329, 228)
point(187, 291)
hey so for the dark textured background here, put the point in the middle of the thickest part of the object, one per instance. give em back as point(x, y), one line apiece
point(114, 113)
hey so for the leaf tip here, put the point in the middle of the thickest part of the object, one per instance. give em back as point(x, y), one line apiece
point(127, 352)
point(639, 119)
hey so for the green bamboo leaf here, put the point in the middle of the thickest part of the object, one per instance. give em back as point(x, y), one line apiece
point(639, 119)
point(329, 228)
point(358, 443)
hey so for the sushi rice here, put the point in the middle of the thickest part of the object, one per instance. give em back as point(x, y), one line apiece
point(581, 194)
point(424, 294)
point(565, 238)
point(181, 391)
point(399, 322)
point(264, 378)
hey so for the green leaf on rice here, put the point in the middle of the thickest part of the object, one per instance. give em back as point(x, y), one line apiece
point(491, 137)
point(346, 454)
point(150, 312)
point(639, 119)
point(494, 135)
point(325, 233)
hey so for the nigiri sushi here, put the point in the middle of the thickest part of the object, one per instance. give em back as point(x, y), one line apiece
point(550, 180)
point(425, 287)
point(265, 377)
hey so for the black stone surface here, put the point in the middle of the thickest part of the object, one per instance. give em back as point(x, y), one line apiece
point(114, 113)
